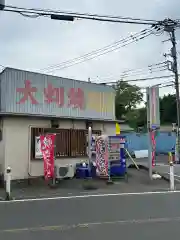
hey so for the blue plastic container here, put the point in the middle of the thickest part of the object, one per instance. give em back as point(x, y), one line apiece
point(82, 171)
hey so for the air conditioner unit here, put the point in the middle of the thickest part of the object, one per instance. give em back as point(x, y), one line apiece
point(64, 171)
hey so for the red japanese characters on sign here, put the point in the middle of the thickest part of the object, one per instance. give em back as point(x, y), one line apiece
point(76, 98)
point(47, 149)
point(27, 92)
point(55, 95)
point(52, 95)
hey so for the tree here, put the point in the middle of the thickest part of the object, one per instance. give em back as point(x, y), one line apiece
point(137, 118)
point(127, 98)
point(168, 112)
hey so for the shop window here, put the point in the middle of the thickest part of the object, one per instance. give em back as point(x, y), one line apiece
point(69, 142)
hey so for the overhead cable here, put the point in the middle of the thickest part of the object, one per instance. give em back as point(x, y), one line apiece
point(158, 67)
point(99, 52)
point(87, 16)
point(139, 79)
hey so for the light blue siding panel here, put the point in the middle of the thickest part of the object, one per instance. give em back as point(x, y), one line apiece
point(164, 142)
point(11, 79)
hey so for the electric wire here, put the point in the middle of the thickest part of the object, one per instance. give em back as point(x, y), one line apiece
point(47, 12)
point(33, 13)
point(143, 72)
point(150, 69)
point(107, 47)
point(134, 72)
point(168, 85)
point(110, 20)
point(160, 85)
point(140, 74)
point(139, 79)
point(82, 15)
point(89, 16)
point(87, 59)
point(99, 52)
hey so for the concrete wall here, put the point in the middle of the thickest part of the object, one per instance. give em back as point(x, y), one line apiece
point(16, 143)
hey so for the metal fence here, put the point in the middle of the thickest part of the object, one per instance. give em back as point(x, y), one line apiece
point(70, 143)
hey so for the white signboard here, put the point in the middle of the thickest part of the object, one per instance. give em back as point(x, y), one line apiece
point(153, 112)
point(38, 153)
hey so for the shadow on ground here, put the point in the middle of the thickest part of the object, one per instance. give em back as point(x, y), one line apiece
point(138, 181)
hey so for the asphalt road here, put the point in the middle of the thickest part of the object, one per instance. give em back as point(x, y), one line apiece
point(140, 216)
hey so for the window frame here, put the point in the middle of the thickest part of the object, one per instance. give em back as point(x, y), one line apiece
point(75, 143)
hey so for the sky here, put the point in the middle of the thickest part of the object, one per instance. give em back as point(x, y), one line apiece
point(35, 44)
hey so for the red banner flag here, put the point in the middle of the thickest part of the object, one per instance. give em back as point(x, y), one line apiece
point(47, 149)
point(153, 140)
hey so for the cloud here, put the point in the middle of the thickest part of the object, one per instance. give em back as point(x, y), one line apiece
point(37, 43)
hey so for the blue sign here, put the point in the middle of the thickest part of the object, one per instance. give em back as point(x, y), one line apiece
point(154, 127)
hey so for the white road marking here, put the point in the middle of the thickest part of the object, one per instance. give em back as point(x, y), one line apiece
point(92, 224)
point(90, 196)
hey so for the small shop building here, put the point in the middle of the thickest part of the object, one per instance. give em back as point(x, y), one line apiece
point(32, 104)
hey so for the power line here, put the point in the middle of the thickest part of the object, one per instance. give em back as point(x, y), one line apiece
point(116, 19)
point(87, 16)
point(140, 79)
point(155, 70)
point(150, 67)
point(83, 14)
point(168, 85)
point(107, 47)
point(144, 74)
point(99, 52)
point(160, 85)
point(46, 14)
point(157, 67)
point(70, 16)
point(49, 12)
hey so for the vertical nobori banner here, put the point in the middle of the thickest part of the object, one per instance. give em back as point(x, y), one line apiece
point(153, 120)
point(102, 155)
point(47, 149)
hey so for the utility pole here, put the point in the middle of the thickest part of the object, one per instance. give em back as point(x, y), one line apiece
point(170, 28)
point(2, 4)
point(175, 70)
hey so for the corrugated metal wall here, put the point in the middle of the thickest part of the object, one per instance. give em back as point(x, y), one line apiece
point(165, 141)
point(98, 99)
